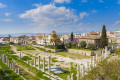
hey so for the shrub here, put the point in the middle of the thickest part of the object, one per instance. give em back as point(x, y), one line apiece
point(60, 46)
point(11, 43)
point(69, 45)
point(83, 44)
point(91, 46)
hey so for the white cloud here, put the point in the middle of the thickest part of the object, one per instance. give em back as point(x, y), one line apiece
point(7, 20)
point(117, 22)
point(80, 24)
point(7, 14)
point(94, 11)
point(83, 14)
point(118, 2)
point(2, 5)
point(84, 1)
point(101, 1)
point(50, 16)
point(62, 1)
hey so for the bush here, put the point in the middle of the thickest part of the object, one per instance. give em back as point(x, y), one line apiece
point(60, 46)
point(106, 70)
point(91, 46)
point(11, 43)
point(69, 45)
point(83, 44)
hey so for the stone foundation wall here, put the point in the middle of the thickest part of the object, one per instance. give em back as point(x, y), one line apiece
point(88, 53)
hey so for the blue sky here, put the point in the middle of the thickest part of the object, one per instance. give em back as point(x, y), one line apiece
point(63, 16)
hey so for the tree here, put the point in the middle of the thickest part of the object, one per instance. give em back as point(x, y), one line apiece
point(55, 39)
point(83, 44)
point(9, 36)
point(69, 45)
point(91, 46)
point(103, 39)
point(72, 36)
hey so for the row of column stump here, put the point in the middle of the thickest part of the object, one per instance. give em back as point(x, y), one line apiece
point(82, 70)
point(10, 64)
point(30, 62)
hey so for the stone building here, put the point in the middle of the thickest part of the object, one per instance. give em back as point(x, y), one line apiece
point(92, 37)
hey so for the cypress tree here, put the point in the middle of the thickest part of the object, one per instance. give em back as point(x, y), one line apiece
point(72, 36)
point(103, 40)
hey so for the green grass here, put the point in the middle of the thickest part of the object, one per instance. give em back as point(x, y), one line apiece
point(11, 73)
point(25, 58)
point(44, 50)
point(38, 73)
point(54, 60)
point(24, 47)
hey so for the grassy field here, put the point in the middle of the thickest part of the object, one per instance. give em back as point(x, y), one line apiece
point(72, 55)
point(38, 74)
point(24, 47)
point(42, 49)
point(9, 72)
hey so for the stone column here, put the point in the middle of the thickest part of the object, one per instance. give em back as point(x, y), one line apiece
point(31, 63)
point(96, 56)
point(93, 61)
point(106, 49)
point(39, 62)
point(28, 61)
point(84, 71)
point(18, 71)
point(20, 56)
point(68, 77)
point(88, 66)
point(3, 58)
point(7, 60)
point(78, 72)
point(90, 62)
point(44, 64)
point(49, 67)
point(72, 76)
point(13, 65)
point(35, 61)
point(81, 70)
point(8, 63)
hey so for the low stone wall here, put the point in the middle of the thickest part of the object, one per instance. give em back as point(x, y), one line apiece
point(88, 53)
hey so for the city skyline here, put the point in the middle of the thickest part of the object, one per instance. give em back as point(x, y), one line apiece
point(63, 16)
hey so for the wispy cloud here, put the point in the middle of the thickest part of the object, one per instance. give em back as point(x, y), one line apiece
point(117, 22)
point(7, 20)
point(83, 14)
point(118, 2)
point(2, 5)
point(62, 1)
point(7, 14)
point(101, 1)
point(94, 11)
